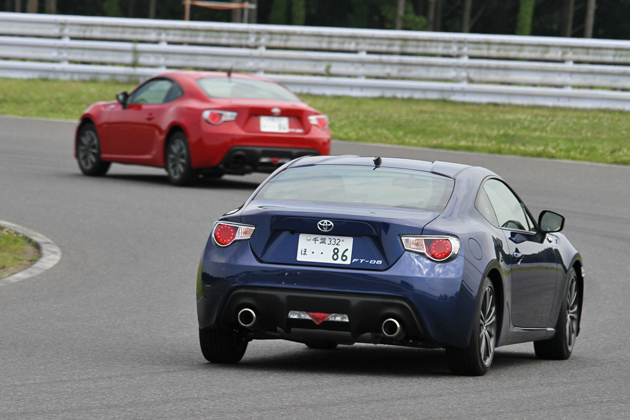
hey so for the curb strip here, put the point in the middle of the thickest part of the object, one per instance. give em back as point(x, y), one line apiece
point(50, 254)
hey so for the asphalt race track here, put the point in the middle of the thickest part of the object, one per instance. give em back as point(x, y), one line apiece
point(111, 330)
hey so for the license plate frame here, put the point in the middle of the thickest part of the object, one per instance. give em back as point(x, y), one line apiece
point(311, 249)
point(274, 124)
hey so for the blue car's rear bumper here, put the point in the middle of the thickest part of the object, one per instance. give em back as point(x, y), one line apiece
point(436, 300)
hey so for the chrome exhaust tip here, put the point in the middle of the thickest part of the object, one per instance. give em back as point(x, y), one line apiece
point(246, 317)
point(391, 328)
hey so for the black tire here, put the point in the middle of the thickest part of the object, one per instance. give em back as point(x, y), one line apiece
point(321, 345)
point(221, 346)
point(561, 345)
point(475, 360)
point(177, 160)
point(88, 149)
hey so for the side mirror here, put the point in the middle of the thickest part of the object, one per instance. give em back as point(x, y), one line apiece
point(550, 221)
point(122, 97)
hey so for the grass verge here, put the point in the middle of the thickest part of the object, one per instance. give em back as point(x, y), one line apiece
point(562, 133)
point(16, 252)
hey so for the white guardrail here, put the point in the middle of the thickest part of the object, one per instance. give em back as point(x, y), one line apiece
point(332, 61)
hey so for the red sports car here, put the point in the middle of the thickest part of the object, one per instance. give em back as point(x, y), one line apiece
point(201, 124)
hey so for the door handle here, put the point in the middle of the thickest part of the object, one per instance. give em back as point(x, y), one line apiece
point(150, 117)
point(518, 257)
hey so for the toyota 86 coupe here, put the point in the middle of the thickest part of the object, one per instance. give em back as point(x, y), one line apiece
point(201, 123)
point(343, 250)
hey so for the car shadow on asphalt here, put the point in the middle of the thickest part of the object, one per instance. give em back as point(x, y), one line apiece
point(367, 360)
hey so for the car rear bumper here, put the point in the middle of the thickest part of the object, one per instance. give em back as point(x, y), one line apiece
point(246, 159)
point(212, 148)
point(434, 302)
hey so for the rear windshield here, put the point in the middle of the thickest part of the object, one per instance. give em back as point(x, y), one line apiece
point(360, 185)
point(235, 88)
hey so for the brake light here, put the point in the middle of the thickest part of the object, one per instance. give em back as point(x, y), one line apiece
point(215, 117)
point(320, 121)
point(439, 248)
point(226, 233)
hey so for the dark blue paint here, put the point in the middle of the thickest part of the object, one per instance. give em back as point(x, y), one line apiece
point(444, 295)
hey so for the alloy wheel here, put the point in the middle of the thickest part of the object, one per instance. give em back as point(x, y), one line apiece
point(572, 313)
point(488, 327)
point(177, 158)
point(88, 149)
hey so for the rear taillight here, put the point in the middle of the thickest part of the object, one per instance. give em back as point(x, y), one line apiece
point(215, 117)
point(320, 121)
point(437, 248)
point(226, 233)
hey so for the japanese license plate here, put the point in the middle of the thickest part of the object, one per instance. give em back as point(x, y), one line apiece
point(274, 124)
point(324, 248)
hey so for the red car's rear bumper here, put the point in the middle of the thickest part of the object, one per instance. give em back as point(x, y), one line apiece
point(259, 151)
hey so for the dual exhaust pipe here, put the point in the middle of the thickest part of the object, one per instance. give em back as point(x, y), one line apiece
point(246, 317)
point(390, 328)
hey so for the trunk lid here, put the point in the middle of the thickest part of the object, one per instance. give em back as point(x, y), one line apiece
point(371, 236)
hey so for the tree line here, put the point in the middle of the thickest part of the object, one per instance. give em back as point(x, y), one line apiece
point(567, 18)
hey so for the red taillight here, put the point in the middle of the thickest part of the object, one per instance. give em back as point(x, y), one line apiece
point(214, 117)
point(439, 249)
point(225, 234)
point(320, 121)
point(436, 248)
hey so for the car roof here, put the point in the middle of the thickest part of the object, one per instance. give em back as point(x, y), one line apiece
point(437, 167)
point(196, 75)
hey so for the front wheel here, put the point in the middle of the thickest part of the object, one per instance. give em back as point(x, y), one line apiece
point(561, 345)
point(221, 346)
point(88, 150)
point(177, 160)
point(475, 360)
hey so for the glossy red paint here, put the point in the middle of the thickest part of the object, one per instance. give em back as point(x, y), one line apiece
point(137, 133)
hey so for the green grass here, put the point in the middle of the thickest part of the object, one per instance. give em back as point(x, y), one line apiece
point(591, 135)
point(16, 252)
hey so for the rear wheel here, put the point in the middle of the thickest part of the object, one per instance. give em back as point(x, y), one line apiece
point(475, 360)
point(221, 346)
point(177, 160)
point(561, 345)
point(89, 152)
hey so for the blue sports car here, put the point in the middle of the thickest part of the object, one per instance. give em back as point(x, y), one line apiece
point(344, 250)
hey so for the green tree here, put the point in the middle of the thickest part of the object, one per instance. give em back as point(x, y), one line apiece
point(278, 14)
point(298, 12)
point(112, 8)
point(525, 15)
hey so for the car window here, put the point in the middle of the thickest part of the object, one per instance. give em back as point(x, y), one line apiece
point(174, 92)
point(153, 92)
point(485, 208)
point(507, 207)
point(360, 185)
point(230, 87)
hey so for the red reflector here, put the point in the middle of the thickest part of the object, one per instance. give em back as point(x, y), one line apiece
point(225, 234)
point(214, 117)
point(318, 317)
point(439, 249)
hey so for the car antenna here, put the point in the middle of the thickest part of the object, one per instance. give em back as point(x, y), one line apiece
point(377, 162)
point(229, 72)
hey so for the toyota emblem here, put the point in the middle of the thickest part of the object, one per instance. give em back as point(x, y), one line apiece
point(275, 111)
point(325, 225)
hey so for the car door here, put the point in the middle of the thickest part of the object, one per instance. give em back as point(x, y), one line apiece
point(134, 129)
point(532, 259)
